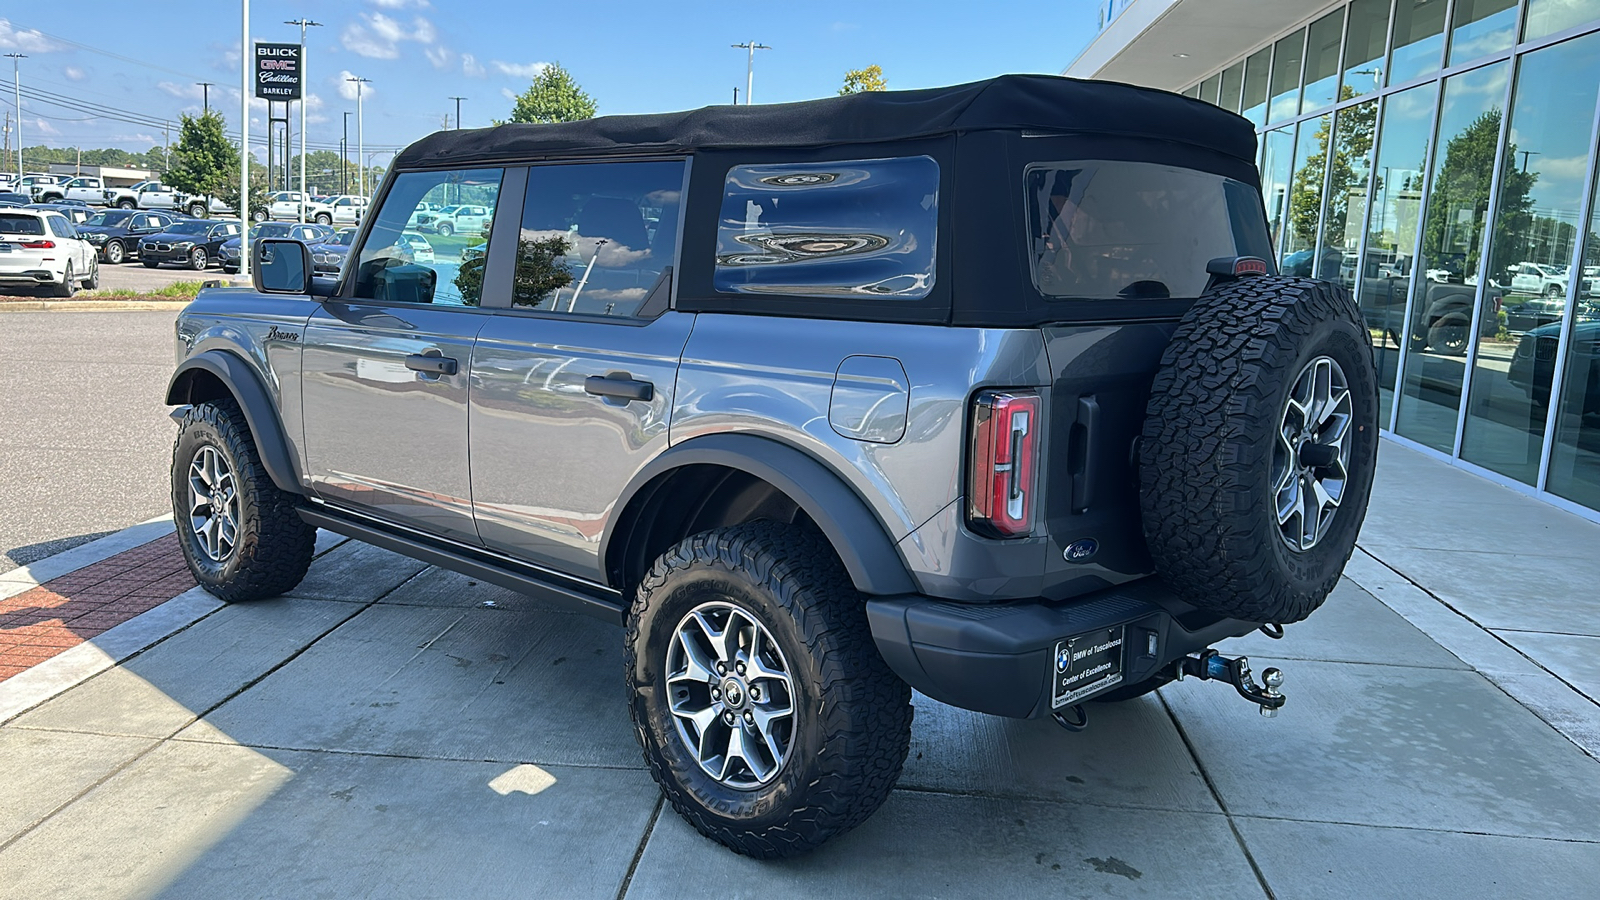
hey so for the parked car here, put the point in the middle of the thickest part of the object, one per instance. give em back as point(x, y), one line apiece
point(421, 251)
point(192, 242)
point(423, 209)
point(228, 255)
point(126, 197)
point(77, 214)
point(116, 233)
point(40, 247)
point(13, 198)
point(985, 391)
point(1533, 365)
point(36, 184)
point(464, 219)
point(83, 188)
point(1442, 317)
point(328, 257)
point(348, 209)
point(1538, 278)
point(285, 206)
point(160, 196)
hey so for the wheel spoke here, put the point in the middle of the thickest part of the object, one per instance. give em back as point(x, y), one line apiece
point(1318, 411)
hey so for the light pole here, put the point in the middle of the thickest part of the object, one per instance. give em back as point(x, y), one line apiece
point(245, 62)
point(750, 67)
point(205, 95)
point(344, 156)
point(458, 110)
point(303, 22)
point(16, 80)
point(361, 140)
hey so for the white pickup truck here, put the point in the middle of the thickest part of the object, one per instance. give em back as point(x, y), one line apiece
point(86, 188)
point(286, 207)
point(126, 197)
point(1537, 278)
point(348, 209)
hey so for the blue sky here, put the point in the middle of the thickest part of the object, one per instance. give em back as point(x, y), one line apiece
point(144, 60)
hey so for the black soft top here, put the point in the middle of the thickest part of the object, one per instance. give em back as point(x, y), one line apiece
point(1010, 102)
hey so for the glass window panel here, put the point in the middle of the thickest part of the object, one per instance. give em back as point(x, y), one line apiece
point(1255, 86)
point(1208, 89)
point(1277, 155)
point(1193, 92)
point(1232, 77)
point(1575, 456)
point(1385, 284)
point(1286, 77)
point(1322, 61)
point(1363, 47)
point(1452, 236)
point(1481, 27)
point(596, 238)
point(1305, 197)
point(1536, 224)
point(459, 206)
point(1418, 39)
point(1346, 206)
point(1550, 16)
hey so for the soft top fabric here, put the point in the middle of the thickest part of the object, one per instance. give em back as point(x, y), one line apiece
point(1016, 102)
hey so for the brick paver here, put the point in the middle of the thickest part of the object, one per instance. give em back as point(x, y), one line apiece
point(64, 612)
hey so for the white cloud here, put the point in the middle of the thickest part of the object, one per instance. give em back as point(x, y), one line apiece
point(347, 88)
point(182, 91)
point(400, 4)
point(509, 94)
point(520, 70)
point(471, 67)
point(74, 73)
point(28, 40)
point(439, 56)
point(41, 126)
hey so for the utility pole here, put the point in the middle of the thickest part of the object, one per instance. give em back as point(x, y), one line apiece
point(361, 140)
point(304, 23)
point(750, 67)
point(16, 79)
point(166, 147)
point(6, 153)
point(205, 95)
point(458, 110)
point(245, 65)
point(735, 96)
point(344, 157)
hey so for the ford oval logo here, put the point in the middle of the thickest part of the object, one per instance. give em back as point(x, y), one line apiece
point(1080, 551)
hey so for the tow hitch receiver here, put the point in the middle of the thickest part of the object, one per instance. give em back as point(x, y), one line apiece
point(1212, 665)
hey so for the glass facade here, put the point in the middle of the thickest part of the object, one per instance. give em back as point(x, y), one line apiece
point(1437, 158)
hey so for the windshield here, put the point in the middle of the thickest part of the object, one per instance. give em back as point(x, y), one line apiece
point(110, 217)
point(1103, 230)
point(344, 238)
point(271, 230)
point(198, 226)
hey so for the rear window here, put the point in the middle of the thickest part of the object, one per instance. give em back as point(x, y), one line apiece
point(14, 224)
point(861, 229)
point(1103, 230)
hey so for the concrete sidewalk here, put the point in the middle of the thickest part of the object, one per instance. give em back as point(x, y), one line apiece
point(394, 730)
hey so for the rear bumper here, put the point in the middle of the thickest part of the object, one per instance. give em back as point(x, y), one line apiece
point(998, 659)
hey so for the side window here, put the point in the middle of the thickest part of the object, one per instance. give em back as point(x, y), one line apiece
point(596, 238)
point(388, 270)
point(62, 227)
point(855, 229)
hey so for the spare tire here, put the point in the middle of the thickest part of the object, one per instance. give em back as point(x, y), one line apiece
point(1259, 445)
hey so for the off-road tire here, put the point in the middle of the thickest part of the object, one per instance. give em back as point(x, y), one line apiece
point(274, 545)
point(1205, 454)
point(853, 715)
point(1450, 334)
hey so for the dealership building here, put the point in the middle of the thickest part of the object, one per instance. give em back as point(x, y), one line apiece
point(1437, 157)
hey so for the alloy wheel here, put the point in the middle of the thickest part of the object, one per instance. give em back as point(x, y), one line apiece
point(1313, 450)
point(213, 504)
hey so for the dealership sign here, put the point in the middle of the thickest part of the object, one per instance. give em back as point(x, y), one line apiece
point(278, 71)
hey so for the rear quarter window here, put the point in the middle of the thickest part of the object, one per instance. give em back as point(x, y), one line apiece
point(860, 229)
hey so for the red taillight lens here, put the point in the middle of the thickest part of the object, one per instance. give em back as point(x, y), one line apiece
point(38, 245)
point(1005, 442)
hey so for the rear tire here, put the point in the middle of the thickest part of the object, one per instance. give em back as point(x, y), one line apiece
point(845, 739)
point(93, 281)
point(68, 285)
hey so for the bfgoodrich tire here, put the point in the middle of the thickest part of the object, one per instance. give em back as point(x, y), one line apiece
point(802, 733)
point(1258, 449)
point(240, 534)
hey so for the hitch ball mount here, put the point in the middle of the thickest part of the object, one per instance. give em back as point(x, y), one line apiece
point(1213, 666)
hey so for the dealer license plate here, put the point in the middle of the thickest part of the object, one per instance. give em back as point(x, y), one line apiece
point(1086, 665)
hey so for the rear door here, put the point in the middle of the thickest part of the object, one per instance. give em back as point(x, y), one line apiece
point(573, 381)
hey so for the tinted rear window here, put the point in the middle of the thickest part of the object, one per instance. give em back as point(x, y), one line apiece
point(861, 229)
point(1103, 230)
point(21, 225)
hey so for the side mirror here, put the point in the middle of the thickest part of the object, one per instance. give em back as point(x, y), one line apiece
point(281, 267)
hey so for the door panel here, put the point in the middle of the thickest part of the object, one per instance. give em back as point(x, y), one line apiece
point(549, 457)
point(386, 434)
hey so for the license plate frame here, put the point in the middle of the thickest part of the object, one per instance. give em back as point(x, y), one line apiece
point(1086, 664)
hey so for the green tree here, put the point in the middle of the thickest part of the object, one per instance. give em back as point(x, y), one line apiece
point(554, 96)
point(857, 81)
point(1351, 146)
point(203, 160)
point(1450, 239)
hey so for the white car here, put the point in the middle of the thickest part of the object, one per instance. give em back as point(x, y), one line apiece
point(86, 188)
point(421, 250)
point(286, 208)
point(40, 247)
point(348, 209)
point(468, 219)
point(423, 209)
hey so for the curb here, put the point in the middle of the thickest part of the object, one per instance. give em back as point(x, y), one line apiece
point(89, 305)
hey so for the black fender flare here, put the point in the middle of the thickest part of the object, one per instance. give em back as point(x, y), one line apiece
point(860, 539)
point(259, 411)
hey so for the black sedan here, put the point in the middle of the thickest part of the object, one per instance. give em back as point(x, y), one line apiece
point(305, 234)
point(115, 233)
point(192, 242)
point(328, 257)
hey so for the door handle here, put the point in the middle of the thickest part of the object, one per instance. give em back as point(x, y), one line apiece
point(433, 364)
point(620, 386)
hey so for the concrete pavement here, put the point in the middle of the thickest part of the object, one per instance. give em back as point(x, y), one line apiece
point(393, 730)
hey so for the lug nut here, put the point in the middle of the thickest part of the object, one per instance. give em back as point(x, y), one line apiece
point(755, 692)
point(749, 717)
point(716, 693)
point(740, 667)
point(722, 669)
point(728, 717)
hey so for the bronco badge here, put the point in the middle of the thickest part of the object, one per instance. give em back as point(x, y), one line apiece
point(276, 335)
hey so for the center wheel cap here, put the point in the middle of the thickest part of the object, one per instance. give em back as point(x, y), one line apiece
point(733, 693)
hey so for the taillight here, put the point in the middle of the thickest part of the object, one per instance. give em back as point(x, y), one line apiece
point(1005, 443)
point(38, 245)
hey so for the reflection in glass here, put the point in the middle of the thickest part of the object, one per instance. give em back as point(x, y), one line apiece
point(1286, 59)
point(1363, 46)
point(1255, 86)
point(1392, 229)
point(1418, 39)
point(1232, 77)
point(1481, 27)
point(1550, 16)
point(1322, 61)
point(1305, 197)
point(1346, 207)
point(1277, 154)
point(1452, 235)
point(456, 210)
point(1208, 89)
point(1535, 230)
point(1575, 457)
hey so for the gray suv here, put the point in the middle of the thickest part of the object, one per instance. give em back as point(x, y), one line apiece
point(987, 391)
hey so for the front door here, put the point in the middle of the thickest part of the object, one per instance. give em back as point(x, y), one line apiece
point(387, 369)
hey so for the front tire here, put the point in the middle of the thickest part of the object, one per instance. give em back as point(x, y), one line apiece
point(445, 230)
point(115, 253)
point(323, 219)
point(125, 204)
point(803, 734)
point(197, 211)
point(198, 260)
